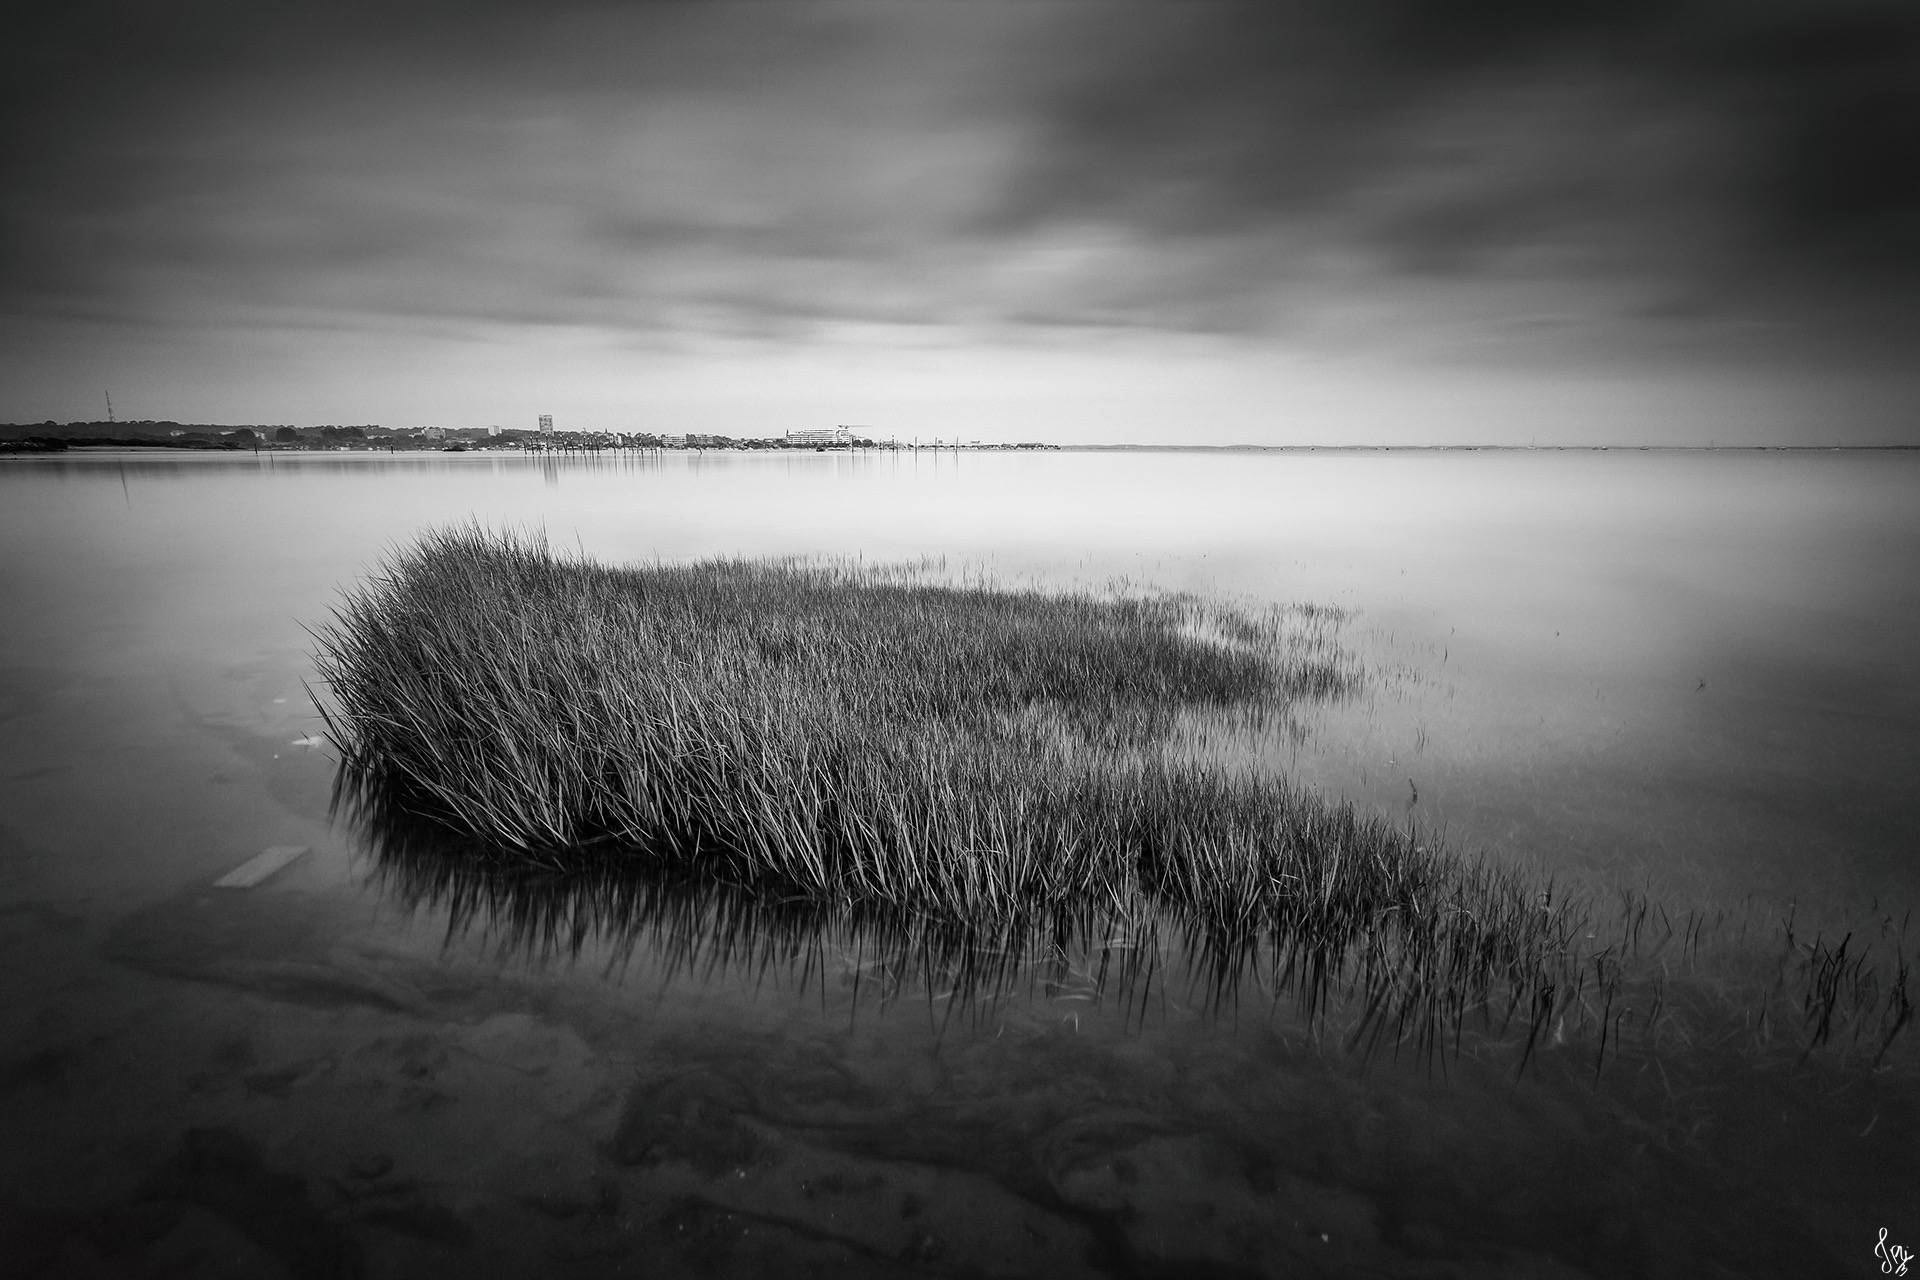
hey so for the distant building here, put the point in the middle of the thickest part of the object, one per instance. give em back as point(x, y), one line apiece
point(821, 438)
point(546, 424)
point(494, 429)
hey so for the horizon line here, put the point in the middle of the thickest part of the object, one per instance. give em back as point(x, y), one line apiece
point(25, 430)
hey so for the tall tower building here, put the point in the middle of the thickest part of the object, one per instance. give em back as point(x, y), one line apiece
point(546, 424)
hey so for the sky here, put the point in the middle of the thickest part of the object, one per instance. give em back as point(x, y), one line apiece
point(1173, 222)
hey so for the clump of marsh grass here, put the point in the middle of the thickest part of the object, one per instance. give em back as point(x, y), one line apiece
point(952, 775)
point(822, 731)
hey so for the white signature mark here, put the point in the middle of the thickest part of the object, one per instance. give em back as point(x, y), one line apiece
point(1893, 1257)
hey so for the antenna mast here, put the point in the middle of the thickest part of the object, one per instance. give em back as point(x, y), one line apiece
point(109, 396)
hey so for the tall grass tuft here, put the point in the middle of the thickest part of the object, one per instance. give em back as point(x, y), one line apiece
point(955, 767)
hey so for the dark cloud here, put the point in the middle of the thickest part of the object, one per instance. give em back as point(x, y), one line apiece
point(1699, 148)
point(1492, 174)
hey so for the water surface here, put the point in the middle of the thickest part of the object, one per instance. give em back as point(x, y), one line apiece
point(1686, 674)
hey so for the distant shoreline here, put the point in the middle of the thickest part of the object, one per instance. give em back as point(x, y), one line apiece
point(38, 449)
point(41, 441)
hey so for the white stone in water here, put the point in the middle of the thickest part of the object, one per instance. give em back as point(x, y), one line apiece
point(309, 741)
point(259, 867)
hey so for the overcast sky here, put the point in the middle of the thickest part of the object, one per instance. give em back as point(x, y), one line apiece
point(1180, 221)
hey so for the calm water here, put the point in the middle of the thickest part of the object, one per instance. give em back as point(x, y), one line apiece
point(1687, 674)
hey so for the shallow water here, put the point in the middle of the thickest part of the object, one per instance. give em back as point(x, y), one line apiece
point(1688, 674)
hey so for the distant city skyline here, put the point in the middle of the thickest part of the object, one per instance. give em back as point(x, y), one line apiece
point(1129, 223)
